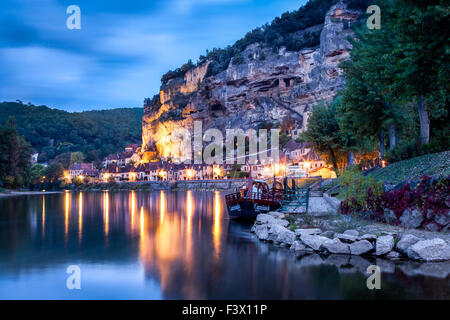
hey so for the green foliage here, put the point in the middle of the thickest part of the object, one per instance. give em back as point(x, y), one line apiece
point(274, 35)
point(76, 157)
point(53, 132)
point(54, 172)
point(437, 164)
point(390, 70)
point(36, 173)
point(284, 139)
point(326, 136)
point(77, 181)
point(354, 186)
point(15, 155)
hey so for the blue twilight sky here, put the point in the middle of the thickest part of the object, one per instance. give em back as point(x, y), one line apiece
point(122, 50)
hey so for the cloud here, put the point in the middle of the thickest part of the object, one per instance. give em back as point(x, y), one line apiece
point(187, 6)
point(121, 51)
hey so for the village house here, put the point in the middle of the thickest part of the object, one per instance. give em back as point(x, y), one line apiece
point(296, 150)
point(112, 170)
point(313, 165)
point(82, 170)
point(110, 159)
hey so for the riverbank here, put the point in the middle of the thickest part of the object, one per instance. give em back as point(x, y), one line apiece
point(200, 185)
point(335, 234)
point(11, 193)
point(231, 185)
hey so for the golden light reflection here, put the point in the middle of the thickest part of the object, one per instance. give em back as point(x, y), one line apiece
point(142, 223)
point(66, 214)
point(189, 209)
point(133, 210)
point(217, 223)
point(162, 206)
point(106, 212)
point(80, 215)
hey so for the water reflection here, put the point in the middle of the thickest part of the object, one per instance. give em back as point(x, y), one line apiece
point(66, 215)
point(43, 216)
point(164, 244)
point(80, 216)
point(106, 212)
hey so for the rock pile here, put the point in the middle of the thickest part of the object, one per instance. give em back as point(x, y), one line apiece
point(272, 227)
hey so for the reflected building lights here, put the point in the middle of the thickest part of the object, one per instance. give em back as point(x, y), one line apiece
point(133, 210)
point(66, 214)
point(142, 224)
point(106, 212)
point(162, 206)
point(217, 221)
point(80, 216)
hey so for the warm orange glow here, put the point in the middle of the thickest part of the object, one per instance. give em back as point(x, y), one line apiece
point(106, 176)
point(162, 206)
point(132, 176)
point(66, 214)
point(217, 223)
point(133, 209)
point(106, 212)
point(189, 206)
point(162, 174)
point(218, 171)
point(189, 173)
point(383, 163)
point(80, 216)
point(141, 223)
point(189, 213)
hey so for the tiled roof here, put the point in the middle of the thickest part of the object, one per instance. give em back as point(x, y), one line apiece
point(82, 166)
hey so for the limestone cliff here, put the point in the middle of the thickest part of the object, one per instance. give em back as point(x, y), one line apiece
point(265, 87)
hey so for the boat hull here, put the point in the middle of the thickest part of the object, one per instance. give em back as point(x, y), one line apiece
point(247, 209)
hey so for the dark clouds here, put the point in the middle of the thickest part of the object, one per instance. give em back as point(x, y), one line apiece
point(121, 51)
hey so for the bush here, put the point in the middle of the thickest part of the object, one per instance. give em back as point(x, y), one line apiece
point(430, 196)
point(358, 189)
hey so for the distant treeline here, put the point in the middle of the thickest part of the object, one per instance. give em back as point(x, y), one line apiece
point(53, 132)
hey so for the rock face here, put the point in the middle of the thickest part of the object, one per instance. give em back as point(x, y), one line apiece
point(411, 218)
point(336, 246)
point(430, 250)
point(384, 245)
point(405, 242)
point(255, 91)
point(360, 247)
point(313, 241)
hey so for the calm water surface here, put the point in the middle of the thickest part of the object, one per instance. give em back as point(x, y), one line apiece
point(164, 245)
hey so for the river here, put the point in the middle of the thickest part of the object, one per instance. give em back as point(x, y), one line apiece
point(166, 245)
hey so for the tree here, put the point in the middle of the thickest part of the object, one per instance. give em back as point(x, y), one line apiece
point(326, 136)
point(36, 173)
point(419, 58)
point(54, 172)
point(76, 157)
point(15, 155)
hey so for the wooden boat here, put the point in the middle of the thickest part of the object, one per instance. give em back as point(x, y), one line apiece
point(254, 199)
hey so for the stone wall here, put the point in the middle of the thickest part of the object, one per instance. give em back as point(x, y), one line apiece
point(267, 87)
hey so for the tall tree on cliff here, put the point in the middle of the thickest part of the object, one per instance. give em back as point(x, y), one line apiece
point(326, 136)
point(419, 59)
point(368, 107)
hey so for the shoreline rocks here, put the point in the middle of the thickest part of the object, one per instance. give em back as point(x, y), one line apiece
point(273, 227)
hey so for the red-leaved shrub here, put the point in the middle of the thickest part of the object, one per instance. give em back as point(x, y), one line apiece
point(430, 196)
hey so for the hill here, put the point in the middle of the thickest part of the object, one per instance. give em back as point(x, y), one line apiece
point(436, 164)
point(52, 132)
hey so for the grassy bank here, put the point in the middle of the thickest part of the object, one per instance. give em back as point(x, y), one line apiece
point(436, 164)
